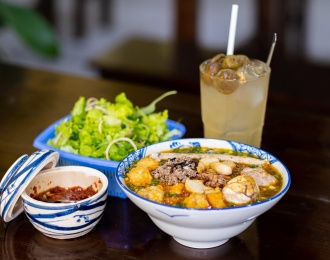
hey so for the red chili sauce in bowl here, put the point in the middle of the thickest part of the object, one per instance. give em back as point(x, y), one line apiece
point(65, 195)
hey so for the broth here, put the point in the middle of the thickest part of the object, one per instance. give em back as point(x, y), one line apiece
point(201, 177)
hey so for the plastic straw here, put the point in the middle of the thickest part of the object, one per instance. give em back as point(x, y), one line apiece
point(270, 55)
point(232, 30)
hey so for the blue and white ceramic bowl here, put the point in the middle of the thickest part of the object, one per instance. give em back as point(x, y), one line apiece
point(200, 228)
point(37, 173)
point(66, 220)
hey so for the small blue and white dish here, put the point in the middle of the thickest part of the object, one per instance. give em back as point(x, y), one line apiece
point(37, 173)
point(202, 228)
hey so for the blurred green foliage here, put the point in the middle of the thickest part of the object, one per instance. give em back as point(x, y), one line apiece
point(31, 27)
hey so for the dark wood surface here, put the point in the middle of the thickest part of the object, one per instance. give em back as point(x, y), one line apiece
point(297, 131)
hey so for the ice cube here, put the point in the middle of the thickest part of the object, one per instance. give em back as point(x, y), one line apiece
point(254, 69)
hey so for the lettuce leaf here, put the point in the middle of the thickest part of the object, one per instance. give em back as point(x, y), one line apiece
point(95, 124)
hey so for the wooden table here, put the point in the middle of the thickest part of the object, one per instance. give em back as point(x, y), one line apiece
point(297, 131)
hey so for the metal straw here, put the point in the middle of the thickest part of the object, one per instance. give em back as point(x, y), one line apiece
point(271, 50)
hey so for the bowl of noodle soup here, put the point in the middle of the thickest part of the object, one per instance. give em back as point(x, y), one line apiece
point(181, 198)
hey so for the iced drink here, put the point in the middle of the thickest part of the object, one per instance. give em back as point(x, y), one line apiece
point(233, 97)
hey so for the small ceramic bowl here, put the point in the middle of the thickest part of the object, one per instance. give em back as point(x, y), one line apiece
point(66, 220)
point(202, 228)
point(38, 173)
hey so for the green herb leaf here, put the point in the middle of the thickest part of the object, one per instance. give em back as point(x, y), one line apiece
point(154, 182)
point(152, 106)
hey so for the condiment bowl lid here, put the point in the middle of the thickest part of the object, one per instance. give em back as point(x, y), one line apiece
point(18, 176)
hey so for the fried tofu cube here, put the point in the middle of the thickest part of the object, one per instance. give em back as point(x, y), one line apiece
point(196, 200)
point(154, 193)
point(176, 188)
point(216, 199)
point(149, 163)
point(139, 176)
